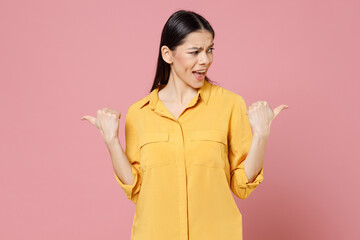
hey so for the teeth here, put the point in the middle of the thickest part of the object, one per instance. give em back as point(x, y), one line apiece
point(200, 71)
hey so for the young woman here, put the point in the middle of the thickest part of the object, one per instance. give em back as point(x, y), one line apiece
point(188, 143)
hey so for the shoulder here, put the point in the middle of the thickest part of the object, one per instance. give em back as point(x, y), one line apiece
point(135, 107)
point(229, 96)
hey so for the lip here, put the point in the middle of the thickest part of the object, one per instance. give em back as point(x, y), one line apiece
point(200, 77)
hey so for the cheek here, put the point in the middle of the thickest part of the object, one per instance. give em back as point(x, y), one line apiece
point(211, 58)
point(186, 63)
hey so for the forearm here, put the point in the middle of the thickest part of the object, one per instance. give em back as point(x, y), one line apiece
point(120, 162)
point(255, 158)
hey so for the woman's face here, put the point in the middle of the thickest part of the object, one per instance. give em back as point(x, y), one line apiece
point(193, 55)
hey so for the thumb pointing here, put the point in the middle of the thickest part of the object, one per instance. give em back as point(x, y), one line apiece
point(279, 108)
point(91, 119)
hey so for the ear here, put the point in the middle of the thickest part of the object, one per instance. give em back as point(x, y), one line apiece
point(166, 54)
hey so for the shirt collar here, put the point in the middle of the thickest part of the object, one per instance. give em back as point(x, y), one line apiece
point(203, 94)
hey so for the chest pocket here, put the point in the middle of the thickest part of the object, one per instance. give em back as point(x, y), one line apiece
point(155, 150)
point(208, 148)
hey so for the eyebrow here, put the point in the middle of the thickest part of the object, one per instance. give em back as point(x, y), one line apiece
point(200, 47)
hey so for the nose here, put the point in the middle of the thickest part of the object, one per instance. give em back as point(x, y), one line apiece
point(203, 59)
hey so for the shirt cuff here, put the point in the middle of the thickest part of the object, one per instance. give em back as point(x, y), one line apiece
point(128, 189)
point(244, 183)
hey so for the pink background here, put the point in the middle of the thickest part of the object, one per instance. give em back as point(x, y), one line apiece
point(64, 59)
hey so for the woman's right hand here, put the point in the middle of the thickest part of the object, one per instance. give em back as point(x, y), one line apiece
point(107, 121)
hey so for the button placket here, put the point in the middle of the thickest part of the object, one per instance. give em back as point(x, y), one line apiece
point(182, 180)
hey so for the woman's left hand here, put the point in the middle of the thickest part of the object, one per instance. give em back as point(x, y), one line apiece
point(261, 115)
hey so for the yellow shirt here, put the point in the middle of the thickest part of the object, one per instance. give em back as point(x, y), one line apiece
point(184, 168)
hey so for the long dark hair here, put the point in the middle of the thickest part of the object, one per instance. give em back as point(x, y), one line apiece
point(177, 27)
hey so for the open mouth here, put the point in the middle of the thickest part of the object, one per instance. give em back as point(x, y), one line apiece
point(199, 75)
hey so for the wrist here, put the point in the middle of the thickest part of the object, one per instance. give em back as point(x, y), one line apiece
point(111, 142)
point(262, 134)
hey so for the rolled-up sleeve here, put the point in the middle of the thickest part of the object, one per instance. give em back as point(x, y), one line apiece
point(240, 139)
point(132, 152)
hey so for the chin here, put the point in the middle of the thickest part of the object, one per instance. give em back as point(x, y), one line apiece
point(199, 83)
point(194, 83)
